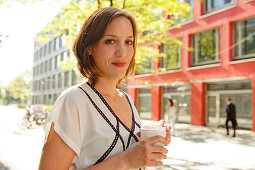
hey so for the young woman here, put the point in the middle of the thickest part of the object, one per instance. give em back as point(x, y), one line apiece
point(171, 115)
point(94, 125)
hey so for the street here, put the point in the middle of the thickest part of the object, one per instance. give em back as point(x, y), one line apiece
point(192, 147)
point(20, 149)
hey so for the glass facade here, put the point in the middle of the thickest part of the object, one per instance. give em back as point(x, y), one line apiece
point(172, 57)
point(239, 92)
point(205, 47)
point(212, 5)
point(181, 95)
point(144, 103)
point(244, 39)
point(187, 15)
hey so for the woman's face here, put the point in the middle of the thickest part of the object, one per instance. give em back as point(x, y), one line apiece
point(114, 51)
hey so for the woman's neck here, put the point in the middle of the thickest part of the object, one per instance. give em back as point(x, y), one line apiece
point(106, 87)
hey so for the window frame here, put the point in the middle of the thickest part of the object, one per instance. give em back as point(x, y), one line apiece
point(240, 55)
point(210, 9)
point(195, 53)
point(163, 59)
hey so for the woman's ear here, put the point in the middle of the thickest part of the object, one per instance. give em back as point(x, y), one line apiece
point(90, 51)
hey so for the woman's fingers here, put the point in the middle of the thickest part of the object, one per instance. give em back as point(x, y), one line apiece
point(156, 139)
point(168, 134)
point(158, 156)
point(159, 149)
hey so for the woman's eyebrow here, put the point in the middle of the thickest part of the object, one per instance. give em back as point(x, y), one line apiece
point(111, 35)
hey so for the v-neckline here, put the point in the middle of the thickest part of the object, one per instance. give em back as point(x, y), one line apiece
point(111, 110)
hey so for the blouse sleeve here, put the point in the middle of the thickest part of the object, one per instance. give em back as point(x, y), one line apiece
point(65, 117)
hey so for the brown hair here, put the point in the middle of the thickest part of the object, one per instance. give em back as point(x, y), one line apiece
point(171, 102)
point(229, 99)
point(90, 33)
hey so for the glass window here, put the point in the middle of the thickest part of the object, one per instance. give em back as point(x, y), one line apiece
point(230, 86)
point(243, 108)
point(56, 62)
point(48, 83)
point(144, 103)
point(73, 77)
point(205, 47)
point(55, 97)
point(56, 43)
point(185, 15)
point(212, 5)
point(45, 67)
point(45, 50)
point(43, 84)
point(241, 94)
point(53, 82)
point(181, 95)
point(244, 39)
point(59, 60)
point(49, 47)
point(34, 71)
point(40, 53)
point(62, 56)
point(35, 56)
point(59, 80)
point(37, 70)
point(39, 85)
point(50, 64)
point(41, 68)
point(145, 64)
point(171, 58)
point(60, 41)
point(66, 78)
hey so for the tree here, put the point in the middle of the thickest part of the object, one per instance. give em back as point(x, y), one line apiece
point(153, 18)
point(19, 87)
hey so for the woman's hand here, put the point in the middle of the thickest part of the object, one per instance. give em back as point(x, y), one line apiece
point(143, 154)
point(168, 134)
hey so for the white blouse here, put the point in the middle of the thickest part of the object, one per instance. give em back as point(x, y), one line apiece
point(88, 125)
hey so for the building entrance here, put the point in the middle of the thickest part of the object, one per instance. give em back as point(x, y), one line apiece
point(239, 92)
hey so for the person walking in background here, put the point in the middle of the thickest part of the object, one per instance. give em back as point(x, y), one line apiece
point(171, 115)
point(94, 125)
point(231, 115)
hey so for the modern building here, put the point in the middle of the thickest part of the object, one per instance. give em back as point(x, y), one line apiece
point(221, 64)
point(48, 79)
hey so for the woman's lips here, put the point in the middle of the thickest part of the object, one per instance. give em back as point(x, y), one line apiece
point(119, 64)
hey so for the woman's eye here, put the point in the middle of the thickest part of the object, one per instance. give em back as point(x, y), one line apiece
point(129, 42)
point(109, 41)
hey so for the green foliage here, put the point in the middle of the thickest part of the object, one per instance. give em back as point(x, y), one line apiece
point(151, 17)
point(22, 106)
point(49, 107)
point(69, 64)
point(19, 87)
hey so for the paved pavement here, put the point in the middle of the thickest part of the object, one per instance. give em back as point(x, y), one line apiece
point(20, 149)
point(192, 147)
point(199, 148)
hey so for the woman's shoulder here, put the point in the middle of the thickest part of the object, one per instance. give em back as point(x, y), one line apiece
point(73, 93)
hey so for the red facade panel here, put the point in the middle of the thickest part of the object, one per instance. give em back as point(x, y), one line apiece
point(198, 104)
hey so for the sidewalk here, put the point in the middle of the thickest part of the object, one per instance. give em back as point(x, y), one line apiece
point(198, 147)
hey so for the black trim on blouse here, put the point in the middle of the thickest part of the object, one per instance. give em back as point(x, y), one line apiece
point(113, 113)
point(116, 130)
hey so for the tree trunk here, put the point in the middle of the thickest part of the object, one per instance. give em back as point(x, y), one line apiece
point(111, 3)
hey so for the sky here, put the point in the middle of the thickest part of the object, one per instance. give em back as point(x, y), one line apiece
point(20, 24)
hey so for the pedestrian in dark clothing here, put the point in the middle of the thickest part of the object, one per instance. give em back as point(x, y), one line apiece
point(231, 115)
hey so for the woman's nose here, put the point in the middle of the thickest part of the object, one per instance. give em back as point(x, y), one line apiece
point(120, 49)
